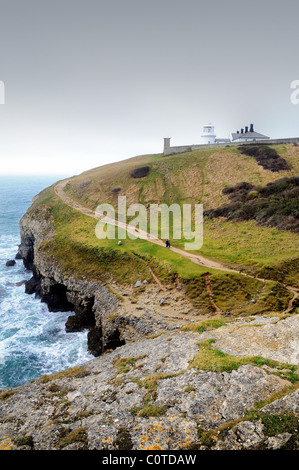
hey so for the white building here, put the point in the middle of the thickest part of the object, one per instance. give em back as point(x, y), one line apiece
point(248, 135)
point(208, 134)
point(209, 137)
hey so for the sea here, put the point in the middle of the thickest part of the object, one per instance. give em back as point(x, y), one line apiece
point(33, 341)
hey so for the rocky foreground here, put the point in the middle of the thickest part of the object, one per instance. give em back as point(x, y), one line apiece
point(152, 394)
point(165, 376)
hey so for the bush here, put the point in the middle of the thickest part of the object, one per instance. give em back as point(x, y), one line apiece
point(140, 172)
point(265, 156)
point(276, 204)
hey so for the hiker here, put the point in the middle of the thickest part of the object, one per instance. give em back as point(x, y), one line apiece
point(167, 243)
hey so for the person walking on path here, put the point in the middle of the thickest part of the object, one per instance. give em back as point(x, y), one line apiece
point(167, 243)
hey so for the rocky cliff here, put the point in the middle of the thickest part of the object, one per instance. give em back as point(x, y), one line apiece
point(151, 395)
point(164, 376)
point(91, 303)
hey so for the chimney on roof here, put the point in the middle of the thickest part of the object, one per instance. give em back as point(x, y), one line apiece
point(246, 129)
point(242, 130)
point(251, 128)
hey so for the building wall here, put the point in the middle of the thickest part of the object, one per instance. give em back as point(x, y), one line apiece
point(188, 148)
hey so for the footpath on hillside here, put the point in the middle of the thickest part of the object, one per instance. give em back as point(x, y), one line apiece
point(197, 259)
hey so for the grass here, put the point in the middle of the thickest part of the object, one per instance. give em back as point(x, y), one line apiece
point(237, 295)
point(78, 250)
point(24, 441)
point(148, 409)
point(210, 359)
point(123, 440)
point(177, 178)
point(197, 176)
point(243, 245)
point(207, 325)
point(126, 364)
point(68, 437)
point(274, 424)
point(80, 253)
point(72, 372)
point(6, 395)
point(150, 383)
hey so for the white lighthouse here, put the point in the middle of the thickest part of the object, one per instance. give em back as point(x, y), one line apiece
point(208, 134)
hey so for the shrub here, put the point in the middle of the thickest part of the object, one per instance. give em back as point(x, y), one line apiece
point(265, 156)
point(276, 204)
point(140, 172)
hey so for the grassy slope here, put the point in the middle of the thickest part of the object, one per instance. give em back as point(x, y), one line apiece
point(200, 176)
point(197, 176)
point(191, 176)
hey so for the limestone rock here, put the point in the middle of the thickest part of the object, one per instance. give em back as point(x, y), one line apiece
point(110, 402)
point(11, 262)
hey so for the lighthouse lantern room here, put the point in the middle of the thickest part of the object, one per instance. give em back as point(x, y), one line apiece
point(208, 135)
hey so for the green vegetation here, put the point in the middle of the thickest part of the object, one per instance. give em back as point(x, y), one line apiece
point(148, 409)
point(123, 440)
point(276, 204)
point(68, 436)
point(80, 252)
point(150, 384)
point(274, 425)
point(210, 359)
point(237, 295)
point(198, 177)
point(24, 441)
point(282, 423)
point(266, 156)
point(261, 251)
point(6, 395)
point(73, 372)
point(207, 325)
point(194, 176)
point(126, 364)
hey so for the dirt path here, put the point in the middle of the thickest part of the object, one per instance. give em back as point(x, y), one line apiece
point(139, 233)
point(197, 259)
point(210, 292)
point(292, 300)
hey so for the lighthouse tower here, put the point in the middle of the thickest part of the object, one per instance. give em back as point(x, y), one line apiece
point(208, 134)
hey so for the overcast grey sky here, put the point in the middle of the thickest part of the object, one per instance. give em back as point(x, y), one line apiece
point(88, 82)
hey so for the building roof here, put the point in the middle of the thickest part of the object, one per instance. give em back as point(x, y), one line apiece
point(248, 135)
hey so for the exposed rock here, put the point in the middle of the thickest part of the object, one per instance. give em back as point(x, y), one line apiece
point(270, 337)
point(32, 286)
point(287, 404)
point(276, 442)
point(11, 262)
point(244, 436)
point(140, 392)
point(91, 303)
point(218, 398)
point(94, 339)
point(110, 403)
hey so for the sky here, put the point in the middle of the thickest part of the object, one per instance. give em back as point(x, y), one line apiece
point(89, 82)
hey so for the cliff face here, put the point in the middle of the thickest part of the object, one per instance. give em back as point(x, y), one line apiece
point(113, 313)
point(149, 395)
point(220, 383)
point(91, 303)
